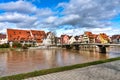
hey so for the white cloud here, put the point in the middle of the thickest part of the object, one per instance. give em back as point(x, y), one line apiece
point(21, 20)
point(18, 6)
point(82, 15)
point(92, 12)
point(44, 12)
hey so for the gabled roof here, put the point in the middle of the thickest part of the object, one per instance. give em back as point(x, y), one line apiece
point(89, 34)
point(104, 36)
point(64, 35)
point(38, 35)
point(25, 35)
point(18, 35)
point(115, 37)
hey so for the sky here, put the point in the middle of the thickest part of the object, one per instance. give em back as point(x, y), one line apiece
point(72, 17)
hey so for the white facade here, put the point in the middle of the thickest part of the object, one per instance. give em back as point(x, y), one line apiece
point(50, 39)
point(85, 39)
point(80, 39)
point(2, 41)
point(72, 39)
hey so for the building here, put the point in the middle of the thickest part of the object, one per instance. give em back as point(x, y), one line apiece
point(103, 38)
point(3, 38)
point(72, 40)
point(50, 39)
point(64, 39)
point(25, 36)
point(38, 36)
point(80, 39)
point(115, 38)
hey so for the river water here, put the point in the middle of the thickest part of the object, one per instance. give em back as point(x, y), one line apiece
point(22, 61)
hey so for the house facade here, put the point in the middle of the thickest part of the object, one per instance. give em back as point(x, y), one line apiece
point(64, 39)
point(3, 38)
point(72, 40)
point(80, 39)
point(50, 39)
point(38, 36)
point(103, 38)
point(115, 39)
point(25, 36)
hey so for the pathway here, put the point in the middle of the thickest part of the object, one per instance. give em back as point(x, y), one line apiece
point(106, 71)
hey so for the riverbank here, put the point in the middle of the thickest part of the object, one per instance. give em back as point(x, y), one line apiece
point(106, 71)
point(54, 70)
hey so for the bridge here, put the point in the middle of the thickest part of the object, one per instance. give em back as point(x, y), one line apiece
point(102, 47)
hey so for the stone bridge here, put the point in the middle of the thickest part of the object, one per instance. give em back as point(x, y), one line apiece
point(102, 47)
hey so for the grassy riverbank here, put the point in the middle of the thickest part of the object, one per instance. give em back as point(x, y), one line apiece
point(53, 70)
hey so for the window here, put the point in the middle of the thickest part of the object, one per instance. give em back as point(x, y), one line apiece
point(14, 33)
point(10, 35)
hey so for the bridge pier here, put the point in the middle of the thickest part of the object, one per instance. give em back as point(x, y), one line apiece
point(102, 48)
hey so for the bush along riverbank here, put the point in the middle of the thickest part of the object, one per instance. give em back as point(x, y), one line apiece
point(53, 70)
point(15, 45)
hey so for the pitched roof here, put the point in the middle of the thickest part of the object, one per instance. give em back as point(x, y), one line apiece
point(25, 35)
point(115, 37)
point(89, 34)
point(18, 35)
point(104, 36)
point(38, 35)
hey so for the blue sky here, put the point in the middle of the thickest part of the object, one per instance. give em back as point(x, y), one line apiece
point(71, 17)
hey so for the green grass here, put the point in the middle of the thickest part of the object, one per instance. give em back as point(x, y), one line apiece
point(58, 69)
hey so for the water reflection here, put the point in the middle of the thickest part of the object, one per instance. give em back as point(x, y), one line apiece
point(19, 61)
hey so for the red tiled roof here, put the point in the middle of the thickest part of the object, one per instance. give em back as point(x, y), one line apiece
point(38, 35)
point(25, 35)
point(89, 34)
point(104, 36)
point(18, 35)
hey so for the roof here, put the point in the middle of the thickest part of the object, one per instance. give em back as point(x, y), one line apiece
point(38, 35)
point(64, 35)
point(24, 35)
point(104, 36)
point(115, 37)
point(18, 35)
point(89, 34)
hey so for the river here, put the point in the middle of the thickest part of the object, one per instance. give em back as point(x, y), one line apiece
point(22, 61)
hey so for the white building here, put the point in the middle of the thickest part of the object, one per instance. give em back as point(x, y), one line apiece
point(3, 39)
point(50, 39)
point(72, 39)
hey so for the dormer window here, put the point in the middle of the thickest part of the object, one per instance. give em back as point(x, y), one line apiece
point(10, 35)
point(14, 33)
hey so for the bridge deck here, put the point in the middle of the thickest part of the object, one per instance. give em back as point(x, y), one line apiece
point(93, 44)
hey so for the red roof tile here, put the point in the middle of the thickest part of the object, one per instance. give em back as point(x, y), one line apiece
point(38, 35)
point(25, 35)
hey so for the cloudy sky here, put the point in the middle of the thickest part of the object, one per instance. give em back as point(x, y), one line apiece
point(71, 17)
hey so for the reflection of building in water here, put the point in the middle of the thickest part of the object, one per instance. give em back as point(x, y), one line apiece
point(23, 61)
point(3, 63)
point(50, 57)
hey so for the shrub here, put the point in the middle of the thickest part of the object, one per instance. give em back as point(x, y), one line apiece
point(5, 45)
point(27, 45)
point(16, 45)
